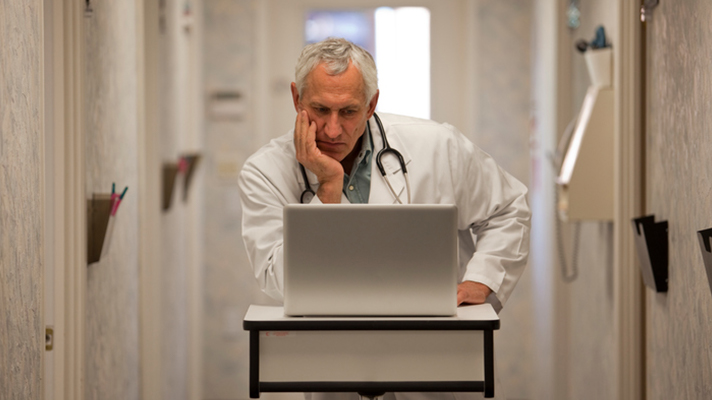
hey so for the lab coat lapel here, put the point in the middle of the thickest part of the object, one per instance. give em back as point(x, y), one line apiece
point(380, 194)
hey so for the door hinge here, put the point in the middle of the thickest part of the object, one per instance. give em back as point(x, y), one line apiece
point(646, 11)
point(49, 338)
point(88, 10)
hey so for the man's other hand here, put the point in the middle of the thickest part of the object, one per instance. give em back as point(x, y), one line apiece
point(470, 292)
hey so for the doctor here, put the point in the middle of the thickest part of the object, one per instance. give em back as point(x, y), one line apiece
point(337, 139)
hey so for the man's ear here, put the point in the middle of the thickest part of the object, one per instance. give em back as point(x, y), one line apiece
point(373, 103)
point(295, 96)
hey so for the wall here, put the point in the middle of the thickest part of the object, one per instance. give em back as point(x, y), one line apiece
point(575, 356)
point(111, 341)
point(176, 134)
point(114, 145)
point(679, 190)
point(112, 363)
point(232, 60)
point(21, 243)
point(503, 40)
point(590, 362)
point(229, 56)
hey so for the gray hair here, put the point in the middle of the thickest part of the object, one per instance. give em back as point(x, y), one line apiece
point(336, 53)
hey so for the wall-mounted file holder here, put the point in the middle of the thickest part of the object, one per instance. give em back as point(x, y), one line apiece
point(599, 64)
point(98, 214)
point(585, 176)
point(170, 172)
point(705, 237)
point(651, 243)
point(189, 164)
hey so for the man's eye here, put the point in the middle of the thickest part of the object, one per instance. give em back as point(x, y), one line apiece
point(348, 112)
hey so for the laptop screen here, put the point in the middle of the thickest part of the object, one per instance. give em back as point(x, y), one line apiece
point(370, 260)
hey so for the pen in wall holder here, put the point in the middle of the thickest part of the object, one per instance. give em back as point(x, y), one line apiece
point(706, 248)
point(170, 171)
point(188, 165)
point(98, 234)
point(651, 242)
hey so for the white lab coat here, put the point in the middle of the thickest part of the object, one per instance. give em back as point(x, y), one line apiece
point(443, 166)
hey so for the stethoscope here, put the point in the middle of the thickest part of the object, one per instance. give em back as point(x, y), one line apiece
point(308, 193)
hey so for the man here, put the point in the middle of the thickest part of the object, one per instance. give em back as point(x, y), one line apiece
point(335, 95)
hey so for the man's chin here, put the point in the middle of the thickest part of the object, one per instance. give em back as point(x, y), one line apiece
point(338, 156)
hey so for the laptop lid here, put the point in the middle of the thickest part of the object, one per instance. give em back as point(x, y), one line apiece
point(370, 260)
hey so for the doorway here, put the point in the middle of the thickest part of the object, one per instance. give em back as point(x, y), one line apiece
point(448, 53)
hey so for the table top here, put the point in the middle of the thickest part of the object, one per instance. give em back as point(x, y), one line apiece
point(470, 317)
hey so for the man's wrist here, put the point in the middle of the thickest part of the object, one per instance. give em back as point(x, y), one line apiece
point(330, 191)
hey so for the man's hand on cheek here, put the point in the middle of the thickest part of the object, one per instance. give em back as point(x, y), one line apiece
point(329, 172)
point(470, 292)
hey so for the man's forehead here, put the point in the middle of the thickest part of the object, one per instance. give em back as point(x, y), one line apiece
point(321, 76)
point(318, 103)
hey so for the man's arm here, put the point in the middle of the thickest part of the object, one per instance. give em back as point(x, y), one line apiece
point(494, 207)
point(262, 223)
point(267, 183)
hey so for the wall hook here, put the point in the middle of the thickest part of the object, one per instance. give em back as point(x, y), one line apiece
point(98, 214)
point(651, 243)
point(170, 172)
point(88, 10)
point(705, 236)
point(188, 164)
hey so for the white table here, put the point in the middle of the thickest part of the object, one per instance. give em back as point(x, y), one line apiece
point(371, 355)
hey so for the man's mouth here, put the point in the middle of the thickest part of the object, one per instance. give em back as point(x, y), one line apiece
point(329, 145)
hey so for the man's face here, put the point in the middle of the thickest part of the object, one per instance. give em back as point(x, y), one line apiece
point(338, 106)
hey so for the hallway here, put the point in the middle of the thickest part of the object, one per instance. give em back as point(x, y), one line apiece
point(169, 97)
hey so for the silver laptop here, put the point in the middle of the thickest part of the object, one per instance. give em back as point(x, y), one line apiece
point(370, 260)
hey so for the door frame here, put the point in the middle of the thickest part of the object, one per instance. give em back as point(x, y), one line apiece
point(65, 212)
point(628, 200)
point(149, 167)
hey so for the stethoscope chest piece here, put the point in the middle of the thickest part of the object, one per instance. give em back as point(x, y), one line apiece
point(307, 196)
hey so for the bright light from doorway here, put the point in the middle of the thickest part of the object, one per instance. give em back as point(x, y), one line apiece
point(399, 40)
point(403, 60)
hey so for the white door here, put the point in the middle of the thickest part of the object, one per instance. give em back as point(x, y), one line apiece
point(282, 36)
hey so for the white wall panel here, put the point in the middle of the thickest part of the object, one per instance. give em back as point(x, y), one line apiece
point(112, 362)
point(21, 243)
point(679, 190)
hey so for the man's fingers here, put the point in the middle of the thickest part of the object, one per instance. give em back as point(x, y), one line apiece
point(311, 136)
point(299, 129)
point(460, 296)
point(472, 293)
point(305, 141)
point(301, 136)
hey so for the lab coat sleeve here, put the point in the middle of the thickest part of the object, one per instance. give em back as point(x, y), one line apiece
point(494, 206)
point(262, 226)
point(267, 183)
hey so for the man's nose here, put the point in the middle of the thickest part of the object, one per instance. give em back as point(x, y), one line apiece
point(332, 127)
